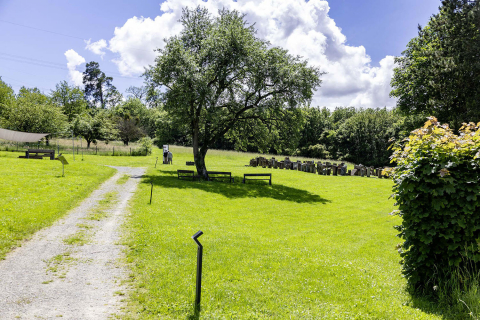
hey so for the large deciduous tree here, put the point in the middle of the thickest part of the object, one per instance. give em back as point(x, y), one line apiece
point(71, 99)
point(93, 127)
point(99, 90)
point(439, 72)
point(218, 74)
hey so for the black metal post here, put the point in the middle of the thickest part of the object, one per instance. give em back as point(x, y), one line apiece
point(156, 162)
point(151, 192)
point(198, 289)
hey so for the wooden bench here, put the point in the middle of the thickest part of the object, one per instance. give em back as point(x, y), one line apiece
point(186, 174)
point(190, 163)
point(223, 175)
point(39, 154)
point(269, 175)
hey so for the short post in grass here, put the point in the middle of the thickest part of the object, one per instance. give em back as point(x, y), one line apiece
point(198, 287)
point(151, 192)
point(156, 162)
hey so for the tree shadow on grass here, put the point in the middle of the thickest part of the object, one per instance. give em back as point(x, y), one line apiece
point(431, 306)
point(253, 189)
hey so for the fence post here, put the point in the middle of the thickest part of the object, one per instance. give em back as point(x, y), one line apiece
point(73, 147)
point(113, 150)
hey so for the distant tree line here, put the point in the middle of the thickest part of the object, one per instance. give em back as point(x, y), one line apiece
point(350, 134)
point(198, 98)
point(97, 112)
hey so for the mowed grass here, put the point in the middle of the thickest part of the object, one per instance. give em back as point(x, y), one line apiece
point(307, 247)
point(34, 194)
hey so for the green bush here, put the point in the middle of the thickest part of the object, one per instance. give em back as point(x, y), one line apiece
point(438, 194)
point(146, 145)
point(318, 151)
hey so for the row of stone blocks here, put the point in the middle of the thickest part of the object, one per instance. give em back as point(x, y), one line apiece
point(321, 168)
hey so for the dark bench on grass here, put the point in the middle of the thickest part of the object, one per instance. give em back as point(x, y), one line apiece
point(213, 175)
point(190, 163)
point(186, 174)
point(39, 154)
point(269, 175)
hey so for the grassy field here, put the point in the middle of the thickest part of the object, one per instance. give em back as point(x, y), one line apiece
point(34, 194)
point(307, 247)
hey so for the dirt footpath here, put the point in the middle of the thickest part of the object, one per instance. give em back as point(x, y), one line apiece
point(72, 269)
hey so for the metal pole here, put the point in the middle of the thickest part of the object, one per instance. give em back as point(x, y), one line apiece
point(198, 288)
point(151, 192)
point(73, 146)
point(156, 162)
point(81, 146)
point(63, 170)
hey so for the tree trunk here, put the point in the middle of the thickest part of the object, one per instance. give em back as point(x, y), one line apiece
point(199, 158)
point(88, 143)
point(199, 155)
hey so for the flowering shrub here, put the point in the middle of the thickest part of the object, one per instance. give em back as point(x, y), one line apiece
point(437, 190)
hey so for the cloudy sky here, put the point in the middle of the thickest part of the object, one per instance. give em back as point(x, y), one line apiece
point(44, 42)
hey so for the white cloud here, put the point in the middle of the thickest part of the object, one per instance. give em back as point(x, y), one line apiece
point(304, 28)
point(97, 47)
point(73, 61)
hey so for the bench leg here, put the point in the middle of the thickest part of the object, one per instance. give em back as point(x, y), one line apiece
point(243, 180)
point(270, 182)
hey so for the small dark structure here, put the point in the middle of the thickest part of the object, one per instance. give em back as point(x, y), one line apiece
point(38, 154)
point(186, 174)
point(218, 175)
point(269, 175)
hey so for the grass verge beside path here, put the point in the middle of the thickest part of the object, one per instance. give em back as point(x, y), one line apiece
point(307, 247)
point(34, 194)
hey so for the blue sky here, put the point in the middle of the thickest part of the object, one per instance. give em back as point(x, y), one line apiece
point(338, 36)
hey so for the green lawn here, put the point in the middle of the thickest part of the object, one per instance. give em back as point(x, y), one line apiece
point(307, 247)
point(34, 194)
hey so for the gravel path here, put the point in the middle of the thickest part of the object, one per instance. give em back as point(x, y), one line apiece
point(71, 269)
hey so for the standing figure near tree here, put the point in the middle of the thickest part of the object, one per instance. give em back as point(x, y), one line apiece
point(165, 156)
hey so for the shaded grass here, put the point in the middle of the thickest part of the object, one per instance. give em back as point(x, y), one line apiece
point(307, 247)
point(33, 194)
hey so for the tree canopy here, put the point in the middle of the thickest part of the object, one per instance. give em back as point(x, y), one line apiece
point(99, 90)
point(439, 72)
point(32, 111)
point(219, 75)
point(70, 99)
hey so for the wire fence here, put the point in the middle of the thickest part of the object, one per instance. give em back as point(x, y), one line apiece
point(78, 146)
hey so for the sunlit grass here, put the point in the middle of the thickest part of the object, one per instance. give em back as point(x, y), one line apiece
point(34, 194)
point(123, 179)
point(307, 247)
